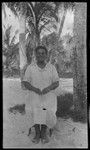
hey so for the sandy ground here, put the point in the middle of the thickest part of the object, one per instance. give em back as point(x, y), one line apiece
point(15, 126)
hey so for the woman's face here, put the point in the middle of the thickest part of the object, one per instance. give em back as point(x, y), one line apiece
point(41, 55)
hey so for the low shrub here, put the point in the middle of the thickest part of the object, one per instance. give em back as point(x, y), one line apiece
point(78, 116)
point(64, 103)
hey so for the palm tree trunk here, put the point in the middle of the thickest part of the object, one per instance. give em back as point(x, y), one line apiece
point(52, 53)
point(62, 23)
point(79, 63)
point(22, 48)
point(36, 43)
point(37, 37)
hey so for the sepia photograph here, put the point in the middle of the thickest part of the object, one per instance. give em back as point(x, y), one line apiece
point(44, 54)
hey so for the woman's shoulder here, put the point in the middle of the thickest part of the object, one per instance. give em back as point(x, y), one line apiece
point(29, 66)
point(51, 65)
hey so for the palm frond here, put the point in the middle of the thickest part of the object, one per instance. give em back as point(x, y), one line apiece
point(11, 5)
point(44, 12)
point(57, 6)
point(52, 14)
point(7, 35)
point(43, 26)
point(31, 25)
point(29, 12)
point(41, 8)
point(31, 7)
point(13, 38)
point(69, 5)
point(3, 9)
point(17, 7)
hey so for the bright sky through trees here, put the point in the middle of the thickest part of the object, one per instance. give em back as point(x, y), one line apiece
point(12, 20)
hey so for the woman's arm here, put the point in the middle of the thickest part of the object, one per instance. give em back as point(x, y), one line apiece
point(53, 86)
point(31, 88)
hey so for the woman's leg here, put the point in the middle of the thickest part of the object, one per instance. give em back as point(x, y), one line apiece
point(39, 118)
point(36, 139)
point(44, 136)
point(47, 129)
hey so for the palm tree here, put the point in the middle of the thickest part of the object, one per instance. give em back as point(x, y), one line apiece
point(64, 6)
point(38, 15)
point(79, 62)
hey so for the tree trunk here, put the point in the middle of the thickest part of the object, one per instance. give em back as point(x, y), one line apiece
point(62, 24)
point(52, 54)
point(79, 63)
point(36, 43)
point(37, 37)
point(22, 47)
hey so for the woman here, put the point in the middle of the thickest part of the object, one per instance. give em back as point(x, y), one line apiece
point(41, 79)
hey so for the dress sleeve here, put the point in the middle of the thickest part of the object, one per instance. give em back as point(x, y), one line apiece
point(55, 76)
point(27, 76)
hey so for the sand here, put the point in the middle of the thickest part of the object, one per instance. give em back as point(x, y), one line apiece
point(67, 134)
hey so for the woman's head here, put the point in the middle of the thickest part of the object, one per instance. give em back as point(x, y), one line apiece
point(41, 53)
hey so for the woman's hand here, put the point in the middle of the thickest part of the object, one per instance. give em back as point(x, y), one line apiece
point(38, 91)
point(53, 86)
point(45, 90)
point(31, 88)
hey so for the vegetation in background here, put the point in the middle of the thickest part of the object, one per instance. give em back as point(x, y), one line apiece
point(10, 54)
point(80, 60)
point(65, 109)
point(61, 57)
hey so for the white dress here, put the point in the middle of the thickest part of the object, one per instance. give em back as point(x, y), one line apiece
point(42, 107)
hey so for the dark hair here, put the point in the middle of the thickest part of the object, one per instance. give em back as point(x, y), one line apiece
point(41, 47)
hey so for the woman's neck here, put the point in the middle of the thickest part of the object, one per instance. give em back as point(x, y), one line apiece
point(41, 64)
